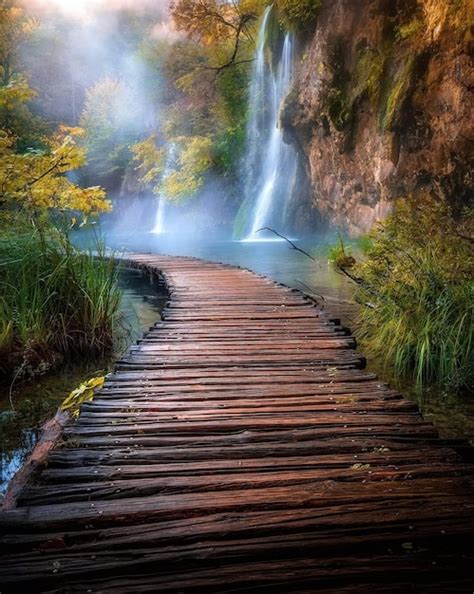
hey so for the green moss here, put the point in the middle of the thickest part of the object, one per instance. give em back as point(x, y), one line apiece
point(348, 90)
point(397, 94)
point(368, 74)
point(410, 29)
point(298, 14)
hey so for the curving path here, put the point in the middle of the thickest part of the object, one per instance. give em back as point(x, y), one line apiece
point(240, 447)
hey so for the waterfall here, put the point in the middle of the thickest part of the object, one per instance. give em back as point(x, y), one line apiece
point(270, 164)
point(159, 225)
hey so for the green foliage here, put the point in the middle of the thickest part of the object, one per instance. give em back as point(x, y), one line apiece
point(417, 278)
point(410, 29)
point(397, 93)
point(297, 13)
point(228, 147)
point(56, 303)
point(231, 114)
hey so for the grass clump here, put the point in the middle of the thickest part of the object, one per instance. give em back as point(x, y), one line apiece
point(417, 279)
point(56, 303)
point(340, 254)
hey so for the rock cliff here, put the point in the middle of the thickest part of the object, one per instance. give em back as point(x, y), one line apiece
point(382, 105)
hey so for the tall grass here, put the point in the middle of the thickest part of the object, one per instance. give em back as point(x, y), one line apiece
point(56, 303)
point(417, 277)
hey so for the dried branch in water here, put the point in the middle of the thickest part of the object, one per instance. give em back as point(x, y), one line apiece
point(288, 240)
point(310, 289)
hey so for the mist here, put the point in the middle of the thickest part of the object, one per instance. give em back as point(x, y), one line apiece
point(116, 69)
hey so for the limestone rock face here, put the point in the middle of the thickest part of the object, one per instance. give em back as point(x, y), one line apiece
point(382, 105)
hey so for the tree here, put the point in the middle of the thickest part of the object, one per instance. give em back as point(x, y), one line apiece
point(177, 178)
point(35, 180)
point(15, 28)
point(205, 105)
point(15, 116)
point(111, 124)
point(33, 175)
point(222, 25)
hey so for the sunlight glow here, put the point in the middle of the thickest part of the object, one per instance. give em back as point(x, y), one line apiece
point(75, 8)
point(85, 9)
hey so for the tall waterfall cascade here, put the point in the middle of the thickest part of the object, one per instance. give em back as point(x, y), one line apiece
point(159, 225)
point(271, 164)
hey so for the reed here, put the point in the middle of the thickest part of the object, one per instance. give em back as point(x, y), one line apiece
point(56, 302)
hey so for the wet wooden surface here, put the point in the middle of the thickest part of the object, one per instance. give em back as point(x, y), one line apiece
point(241, 447)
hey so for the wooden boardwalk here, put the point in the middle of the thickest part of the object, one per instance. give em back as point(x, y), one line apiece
point(240, 447)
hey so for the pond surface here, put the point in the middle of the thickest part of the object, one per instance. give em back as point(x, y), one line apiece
point(28, 405)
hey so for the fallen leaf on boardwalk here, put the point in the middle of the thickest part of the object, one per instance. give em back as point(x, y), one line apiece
point(359, 466)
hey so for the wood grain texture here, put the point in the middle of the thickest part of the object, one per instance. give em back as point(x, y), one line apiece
point(241, 447)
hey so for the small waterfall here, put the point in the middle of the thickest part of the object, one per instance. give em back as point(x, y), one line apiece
point(159, 226)
point(270, 164)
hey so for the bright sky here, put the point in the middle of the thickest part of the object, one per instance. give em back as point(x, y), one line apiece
point(84, 8)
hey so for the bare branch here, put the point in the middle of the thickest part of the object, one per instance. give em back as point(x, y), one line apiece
point(295, 247)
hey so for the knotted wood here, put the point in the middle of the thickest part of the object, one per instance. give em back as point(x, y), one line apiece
point(240, 447)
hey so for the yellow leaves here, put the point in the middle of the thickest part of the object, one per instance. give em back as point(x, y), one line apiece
point(36, 180)
point(150, 159)
point(194, 161)
point(86, 200)
point(71, 131)
point(84, 393)
point(14, 29)
point(183, 177)
point(15, 92)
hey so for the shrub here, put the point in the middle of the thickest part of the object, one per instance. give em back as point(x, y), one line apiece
point(417, 277)
point(299, 12)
